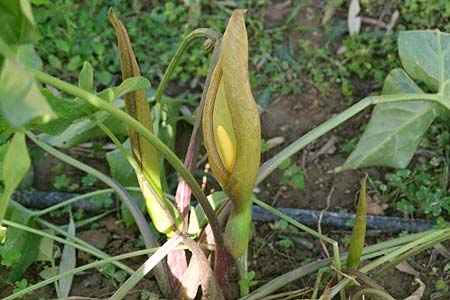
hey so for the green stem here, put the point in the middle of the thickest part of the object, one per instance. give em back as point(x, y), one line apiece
point(139, 128)
point(197, 33)
point(269, 166)
point(405, 97)
point(69, 202)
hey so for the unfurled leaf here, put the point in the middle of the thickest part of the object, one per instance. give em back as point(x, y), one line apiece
point(68, 262)
point(359, 230)
point(395, 129)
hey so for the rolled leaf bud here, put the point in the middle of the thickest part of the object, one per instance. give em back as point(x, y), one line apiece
point(232, 133)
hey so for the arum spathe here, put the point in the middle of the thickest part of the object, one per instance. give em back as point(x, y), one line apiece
point(232, 133)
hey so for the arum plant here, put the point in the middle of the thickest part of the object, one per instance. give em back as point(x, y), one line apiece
point(231, 130)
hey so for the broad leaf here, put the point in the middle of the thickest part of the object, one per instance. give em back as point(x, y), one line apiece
point(16, 163)
point(395, 129)
point(20, 99)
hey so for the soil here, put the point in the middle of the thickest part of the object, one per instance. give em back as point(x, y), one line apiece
point(289, 117)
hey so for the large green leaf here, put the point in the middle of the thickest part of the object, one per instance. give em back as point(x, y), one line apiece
point(16, 163)
point(20, 99)
point(425, 55)
point(395, 129)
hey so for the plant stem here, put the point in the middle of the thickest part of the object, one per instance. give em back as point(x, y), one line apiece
point(160, 146)
point(197, 33)
point(70, 201)
point(270, 165)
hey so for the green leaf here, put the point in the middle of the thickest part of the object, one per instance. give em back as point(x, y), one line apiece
point(54, 61)
point(395, 129)
point(17, 23)
point(62, 45)
point(16, 164)
point(83, 130)
point(359, 230)
point(74, 63)
point(105, 77)
point(425, 55)
point(20, 99)
point(67, 263)
point(130, 85)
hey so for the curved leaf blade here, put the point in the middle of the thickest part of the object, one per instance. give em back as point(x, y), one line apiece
point(395, 129)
